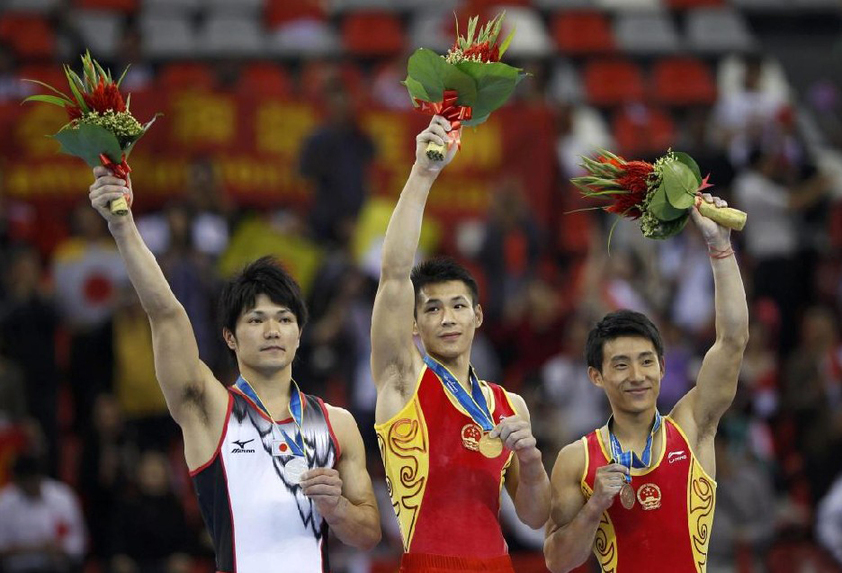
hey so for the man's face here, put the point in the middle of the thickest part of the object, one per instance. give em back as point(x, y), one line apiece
point(446, 318)
point(266, 336)
point(631, 373)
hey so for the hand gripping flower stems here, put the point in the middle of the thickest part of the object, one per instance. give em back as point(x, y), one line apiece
point(660, 194)
point(101, 130)
point(467, 84)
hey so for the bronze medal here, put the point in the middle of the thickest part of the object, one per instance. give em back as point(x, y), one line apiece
point(490, 447)
point(627, 495)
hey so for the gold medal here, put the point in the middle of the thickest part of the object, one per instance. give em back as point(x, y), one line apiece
point(627, 495)
point(490, 447)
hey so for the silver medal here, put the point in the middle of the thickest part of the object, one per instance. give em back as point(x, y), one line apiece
point(294, 468)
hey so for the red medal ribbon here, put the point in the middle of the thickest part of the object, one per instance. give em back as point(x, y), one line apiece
point(120, 170)
point(448, 109)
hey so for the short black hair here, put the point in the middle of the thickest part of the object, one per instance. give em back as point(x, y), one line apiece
point(27, 466)
point(620, 323)
point(263, 276)
point(439, 270)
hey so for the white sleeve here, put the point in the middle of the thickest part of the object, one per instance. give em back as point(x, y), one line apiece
point(74, 542)
point(5, 524)
point(829, 521)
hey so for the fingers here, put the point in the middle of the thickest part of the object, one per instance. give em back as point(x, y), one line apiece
point(717, 201)
point(314, 490)
point(427, 136)
point(100, 171)
point(440, 122)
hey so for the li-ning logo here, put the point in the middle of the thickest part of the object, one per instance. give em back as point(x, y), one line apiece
point(242, 447)
point(676, 456)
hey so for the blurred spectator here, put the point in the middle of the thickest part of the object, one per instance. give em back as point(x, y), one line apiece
point(813, 394)
point(745, 508)
point(135, 384)
point(570, 405)
point(108, 459)
point(42, 530)
point(829, 520)
point(771, 241)
point(12, 392)
point(28, 325)
point(88, 272)
point(510, 249)
point(743, 115)
point(336, 159)
point(150, 533)
point(12, 90)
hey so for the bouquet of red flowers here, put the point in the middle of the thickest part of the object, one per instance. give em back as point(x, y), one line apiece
point(660, 194)
point(467, 84)
point(101, 130)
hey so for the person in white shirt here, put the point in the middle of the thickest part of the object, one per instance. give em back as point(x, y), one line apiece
point(41, 529)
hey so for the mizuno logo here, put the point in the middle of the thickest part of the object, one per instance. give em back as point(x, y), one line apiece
point(242, 447)
point(676, 456)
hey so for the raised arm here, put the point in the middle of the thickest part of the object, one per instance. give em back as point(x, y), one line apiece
point(193, 396)
point(699, 412)
point(344, 496)
point(573, 523)
point(393, 354)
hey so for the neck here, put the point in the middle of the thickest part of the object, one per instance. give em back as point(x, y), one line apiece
point(632, 428)
point(273, 390)
point(459, 366)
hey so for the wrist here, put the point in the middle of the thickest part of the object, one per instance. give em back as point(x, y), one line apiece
point(338, 513)
point(720, 250)
point(531, 469)
point(121, 225)
point(422, 172)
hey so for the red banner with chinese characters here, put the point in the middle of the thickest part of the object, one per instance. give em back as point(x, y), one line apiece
point(254, 144)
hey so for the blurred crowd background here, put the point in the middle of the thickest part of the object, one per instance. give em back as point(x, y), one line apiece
point(285, 130)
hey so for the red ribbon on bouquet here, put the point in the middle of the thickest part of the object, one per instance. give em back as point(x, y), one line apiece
point(448, 109)
point(120, 170)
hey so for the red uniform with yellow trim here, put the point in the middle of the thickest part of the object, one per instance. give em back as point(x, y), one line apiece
point(445, 493)
point(668, 529)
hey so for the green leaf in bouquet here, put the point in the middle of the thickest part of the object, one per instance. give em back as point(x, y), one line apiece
point(88, 141)
point(474, 121)
point(428, 69)
point(661, 207)
point(55, 100)
point(667, 229)
point(680, 184)
point(432, 74)
point(505, 45)
point(689, 162)
point(495, 84)
point(416, 90)
point(146, 127)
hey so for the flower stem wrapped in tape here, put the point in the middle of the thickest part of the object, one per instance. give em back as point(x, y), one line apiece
point(101, 130)
point(467, 84)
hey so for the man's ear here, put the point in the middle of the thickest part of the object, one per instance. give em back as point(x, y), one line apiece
point(414, 327)
point(479, 315)
point(229, 338)
point(595, 376)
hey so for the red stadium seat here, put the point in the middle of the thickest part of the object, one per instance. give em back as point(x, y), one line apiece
point(279, 12)
point(583, 32)
point(694, 3)
point(641, 130)
point(683, 81)
point(127, 6)
point(186, 75)
point(315, 76)
point(373, 33)
point(265, 79)
point(29, 36)
point(613, 82)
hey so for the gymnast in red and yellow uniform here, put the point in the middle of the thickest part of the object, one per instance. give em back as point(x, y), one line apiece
point(639, 491)
point(450, 442)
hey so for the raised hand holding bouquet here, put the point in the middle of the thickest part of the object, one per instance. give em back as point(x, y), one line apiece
point(467, 84)
point(101, 130)
point(661, 195)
